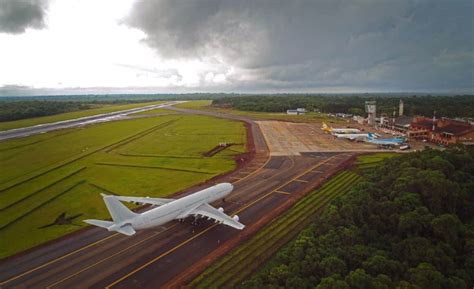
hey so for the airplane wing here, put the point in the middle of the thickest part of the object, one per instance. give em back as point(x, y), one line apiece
point(213, 213)
point(144, 200)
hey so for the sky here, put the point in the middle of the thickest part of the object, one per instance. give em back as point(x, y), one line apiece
point(260, 46)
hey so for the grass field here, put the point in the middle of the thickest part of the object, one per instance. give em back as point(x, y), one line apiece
point(232, 269)
point(195, 104)
point(308, 117)
point(99, 109)
point(64, 171)
point(366, 162)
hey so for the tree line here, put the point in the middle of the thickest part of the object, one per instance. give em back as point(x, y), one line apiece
point(15, 110)
point(408, 225)
point(447, 106)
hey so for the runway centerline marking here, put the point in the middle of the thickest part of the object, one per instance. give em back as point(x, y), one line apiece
point(108, 257)
point(281, 192)
point(212, 226)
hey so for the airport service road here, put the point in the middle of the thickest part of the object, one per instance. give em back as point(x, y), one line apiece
point(71, 123)
point(172, 255)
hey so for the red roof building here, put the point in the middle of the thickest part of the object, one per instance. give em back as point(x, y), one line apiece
point(445, 132)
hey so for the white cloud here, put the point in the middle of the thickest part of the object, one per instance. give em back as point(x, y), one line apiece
point(86, 44)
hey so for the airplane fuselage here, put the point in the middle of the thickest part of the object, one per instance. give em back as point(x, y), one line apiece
point(391, 142)
point(173, 210)
point(344, 130)
point(351, 136)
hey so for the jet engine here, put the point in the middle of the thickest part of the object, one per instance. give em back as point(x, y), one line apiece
point(235, 218)
point(221, 209)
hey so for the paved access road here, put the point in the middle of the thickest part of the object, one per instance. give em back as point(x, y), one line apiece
point(70, 123)
point(167, 257)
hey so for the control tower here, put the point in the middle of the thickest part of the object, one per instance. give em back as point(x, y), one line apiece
point(370, 109)
point(400, 108)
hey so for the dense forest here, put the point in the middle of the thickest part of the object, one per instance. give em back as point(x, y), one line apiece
point(408, 225)
point(15, 110)
point(447, 106)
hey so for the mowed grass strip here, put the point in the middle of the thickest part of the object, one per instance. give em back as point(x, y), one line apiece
point(16, 181)
point(374, 158)
point(243, 260)
point(74, 172)
point(156, 167)
point(41, 205)
point(138, 135)
point(366, 162)
point(166, 156)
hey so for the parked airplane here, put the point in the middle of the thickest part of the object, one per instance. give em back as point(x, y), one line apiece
point(385, 141)
point(329, 129)
point(127, 222)
point(352, 136)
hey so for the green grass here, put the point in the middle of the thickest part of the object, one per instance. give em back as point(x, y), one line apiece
point(71, 115)
point(367, 162)
point(308, 117)
point(374, 158)
point(195, 104)
point(246, 258)
point(64, 171)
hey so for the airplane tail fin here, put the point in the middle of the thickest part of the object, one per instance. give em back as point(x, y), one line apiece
point(117, 210)
point(370, 135)
point(326, 128)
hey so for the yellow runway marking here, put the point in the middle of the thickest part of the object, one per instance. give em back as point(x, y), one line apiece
point(57, 259)
point(254, 172)
point(206, 230)
point(97, 263)
point(302, 181)
point(284, 193)
point(160, 256)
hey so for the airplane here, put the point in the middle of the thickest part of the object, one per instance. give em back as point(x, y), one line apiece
point(385, 141)
point(329, 129)
point(126, 222)
point(352, 136)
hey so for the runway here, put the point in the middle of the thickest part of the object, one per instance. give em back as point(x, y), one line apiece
point(170, 256)
point(71, 123)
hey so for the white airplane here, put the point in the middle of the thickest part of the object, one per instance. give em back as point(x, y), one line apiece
point(127, 222)
point(352, 136)
point(385, 141)
point(329, 129)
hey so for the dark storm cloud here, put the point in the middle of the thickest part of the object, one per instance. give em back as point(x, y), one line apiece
point(385, 45)
point(18, 15)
